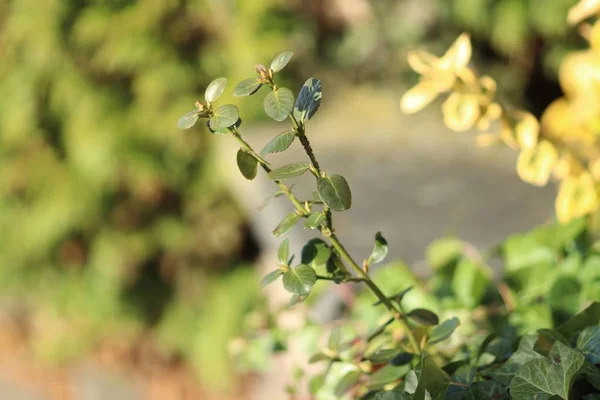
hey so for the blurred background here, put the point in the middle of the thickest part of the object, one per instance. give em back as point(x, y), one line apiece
point(122, 246)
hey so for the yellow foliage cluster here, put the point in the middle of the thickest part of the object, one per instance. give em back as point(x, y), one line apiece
point(563, 145)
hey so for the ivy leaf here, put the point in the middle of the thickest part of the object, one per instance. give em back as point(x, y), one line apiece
point(286, 224)
point(315, 253)
point(281, 61)
point(188, 120)
point(224, 117)
point(443, 331)
point(314, 220)
point(309, 99)
point(469, 282)
point(432, 380)
point(215, 89)
point(588, 317)
point(283, 254)
point(550, 376)
point(279, 143)
point(289, 171)
point(588, 343)
point(279, 104)
point(247, 164)
point(424, 317)
point(247, 87)
point(270, 277)
point(380, 250)
point(335, 192)
point(299, 280)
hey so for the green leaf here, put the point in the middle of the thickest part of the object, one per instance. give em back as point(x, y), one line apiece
point(444, 252)
point(335, 338)
point(224, 117)
point(524, 354)
point(432, 379)
point(386, 375)
point(286, 224)
point(550, 376)
point(391, 395)
point(215, 90)
point(283, 254)
point(188, 120)
point(469, 282)
point(314, 220)
point(289, 171)
point(382, 356)
point(281, 61)
point(565, 295)
point(279, 143)
point(335, 192)
point(380, 250)
point(247, 164)
point(424, 317)
point(271, 277)
point(588, 343)
point(309, 99)
point(247, 87)
point(443, 331)
point(347, 381)
point(320, 356)
point(588, 317)
point(315, 253)
point(546, 339)
point(279, 104)
point(299, 280)
point(397, 297)
point(296, 299)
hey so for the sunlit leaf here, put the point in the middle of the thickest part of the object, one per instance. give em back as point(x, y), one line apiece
point(283, 253)
point(271, 277)
point(299, 280)
point(419, 96)
point(335, 192)
point(279, 104)
point(535, 165)
point(224, 117)
point(286, 224)
point(279, 143)
point(380, 250)
point(247, 87)
point(289, 171)
point(309, 99)
point(443, 331)
point(314, 220)
point(281, 61)
point(215, 89)
point(188, 120)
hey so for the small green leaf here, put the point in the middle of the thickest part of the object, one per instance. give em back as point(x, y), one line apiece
point(295, 300)
point(397, 297)
point(283, 254)
point(309, 99)
point(286, 224)
point(188, 120)
point(565, 295)
point(320, 356)
point(314, 220)
point(469, 282)
point(281, 61)
point(386, 375)
point(443, 331)
point(347, 381)
point(215, 89)
point(299, 280)
point(588, 343)
point(315, 253)
point(432, 380)
point(224, 117)
point(588, 317)
point(247, 164)
point(424, 317)
point(380, 250)
point(382, 356)
point(279, 143)
point(335, 192)
point(271, 277)
point(289, 171)
point(549, 376)
point(247, 87)
point(279, 104)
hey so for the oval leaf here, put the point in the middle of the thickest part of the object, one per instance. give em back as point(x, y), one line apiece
point(443, 331)
point(247, 87)
point(247, 164)
point(289, 171)
point(380, 250)
point(224, 117)
point(279, 143)
point(283, 253)
point(315, 253)
point(279, 104)
point(281, 61)
point(314, 220)
point(424, 317)
point(299, 280)
point(215, 89)
point(271, 277)
point(188, 120)
point(309, 99)
point(286, 224)
point(335, 192)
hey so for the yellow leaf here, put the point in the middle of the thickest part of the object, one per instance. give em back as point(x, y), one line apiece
point(527, 130)
point(461, 111)
point(458, 55)
point(567, 165)
point(418, 96)
point(576, 197)
point(583, 10)
point(535, 165)
point(421, 61)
